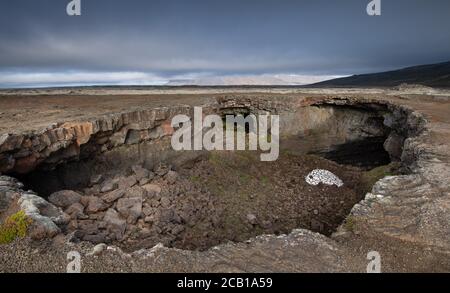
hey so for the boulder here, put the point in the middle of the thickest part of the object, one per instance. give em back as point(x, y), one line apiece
point(130, 208)
point(140, 172)
point(152, 189)
point(113, 195)
point(127, 182)
point(44, 215)
point(64, 198)
point(98, 249)
point(88, 227)
point(95, 205)
point(108, 186)
point(85, 200)
point(115, 224)
point(76, 211)
point(136, 191)
point(7, 198)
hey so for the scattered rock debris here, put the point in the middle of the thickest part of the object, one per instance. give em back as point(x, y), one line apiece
point(215, 200)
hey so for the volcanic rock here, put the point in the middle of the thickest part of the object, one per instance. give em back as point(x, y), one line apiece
point(64, 198)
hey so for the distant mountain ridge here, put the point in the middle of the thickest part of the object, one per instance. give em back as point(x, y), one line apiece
point(432, 75)
point(253, 80)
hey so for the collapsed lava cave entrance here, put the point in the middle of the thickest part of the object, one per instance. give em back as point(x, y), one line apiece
point(137, 196)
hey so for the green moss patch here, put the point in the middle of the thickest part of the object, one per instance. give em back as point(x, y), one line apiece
point(15, 226)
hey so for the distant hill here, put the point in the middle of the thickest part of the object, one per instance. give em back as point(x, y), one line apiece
point(433, 75)
point(253, 80)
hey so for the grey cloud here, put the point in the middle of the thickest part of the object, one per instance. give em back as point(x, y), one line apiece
point(165, 39)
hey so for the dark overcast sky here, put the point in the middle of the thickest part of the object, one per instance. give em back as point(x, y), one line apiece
point(168, 39)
